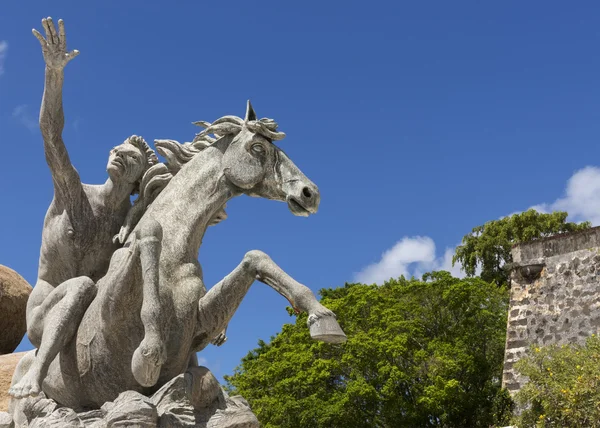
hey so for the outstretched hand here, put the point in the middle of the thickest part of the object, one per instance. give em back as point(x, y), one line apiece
point(54, 46)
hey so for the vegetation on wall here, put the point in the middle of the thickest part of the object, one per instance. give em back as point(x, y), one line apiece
point(488, 246)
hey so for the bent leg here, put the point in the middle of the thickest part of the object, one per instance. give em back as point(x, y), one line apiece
point(58, 318)
point(38, 305)
point(220, 303)
point(149, 357)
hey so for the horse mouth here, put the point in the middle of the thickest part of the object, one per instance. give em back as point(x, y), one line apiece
point(297, 208)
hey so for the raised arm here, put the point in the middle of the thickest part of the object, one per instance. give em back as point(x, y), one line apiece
point(52, 120)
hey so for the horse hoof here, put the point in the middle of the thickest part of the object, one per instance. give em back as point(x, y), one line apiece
point(145, 368)
point(326, 329)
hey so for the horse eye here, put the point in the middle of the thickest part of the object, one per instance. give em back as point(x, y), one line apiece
point(258, 148)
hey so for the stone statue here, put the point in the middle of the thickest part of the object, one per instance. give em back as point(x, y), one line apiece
point(131, 330)
point(77, 238)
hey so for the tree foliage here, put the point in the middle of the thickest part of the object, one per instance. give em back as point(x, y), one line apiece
point(563, 388)
point(419, 354)
point(488, 246)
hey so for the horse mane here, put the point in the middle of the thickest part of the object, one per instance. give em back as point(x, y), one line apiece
point(233, 125)
point(156, 178)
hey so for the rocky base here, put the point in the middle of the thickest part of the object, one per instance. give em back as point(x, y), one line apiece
point(192, 399)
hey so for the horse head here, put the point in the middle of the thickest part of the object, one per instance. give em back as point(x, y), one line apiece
point(254, 166)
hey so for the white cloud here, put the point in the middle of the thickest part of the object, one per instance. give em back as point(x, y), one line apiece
point(21, 113)
point(409, 256)
point(581, 199)
point(414, 256)
point(582, 196)
point(3, 51)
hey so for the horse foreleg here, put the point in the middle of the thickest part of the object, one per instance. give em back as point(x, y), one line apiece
point(217, 307)
point(149, 357)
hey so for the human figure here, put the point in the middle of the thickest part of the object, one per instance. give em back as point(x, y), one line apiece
point(79, 227)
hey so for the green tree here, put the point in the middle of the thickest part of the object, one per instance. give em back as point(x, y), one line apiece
point(488, 246)
point(419, 354)
point(563, 388)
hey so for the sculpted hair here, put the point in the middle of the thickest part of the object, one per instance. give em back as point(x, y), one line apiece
point(149, 156)
point(154, 180)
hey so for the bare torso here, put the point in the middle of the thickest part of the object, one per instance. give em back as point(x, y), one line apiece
point(72, 248)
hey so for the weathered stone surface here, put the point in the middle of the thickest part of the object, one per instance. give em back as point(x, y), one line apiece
point(93, 419)
point(6, 420)
point(131, 409)
point(62, 417)
point(554, 296)
point(192, 399)
point(25, 411)
point(8, 363)
point(237, 414)
point(174, 401)
point(14, 291)
point(195, 399)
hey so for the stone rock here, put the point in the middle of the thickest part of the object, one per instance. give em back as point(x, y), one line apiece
point(131, 409)
point(188, 399)
point(7, 367)
point(173, 403)
point(38, 409)
point(62, 417)
point(6, 420)
point(237, 414)
point(193, 399)
point(93, 419)
point(14, 292)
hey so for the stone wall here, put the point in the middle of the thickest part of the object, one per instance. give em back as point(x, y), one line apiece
point(555, 296)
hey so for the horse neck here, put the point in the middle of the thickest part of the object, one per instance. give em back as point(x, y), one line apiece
point(190, 201)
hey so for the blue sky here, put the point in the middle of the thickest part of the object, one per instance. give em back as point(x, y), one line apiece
point(417, 120)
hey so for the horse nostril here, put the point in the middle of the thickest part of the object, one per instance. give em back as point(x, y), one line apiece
point(306, 192)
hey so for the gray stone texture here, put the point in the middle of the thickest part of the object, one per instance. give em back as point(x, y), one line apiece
point(192, 399)
point(554, 296)
point(14, 291)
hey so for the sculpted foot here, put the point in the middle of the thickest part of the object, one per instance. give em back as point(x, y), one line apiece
point(29, 385)
point(323, 325)
point(147, 361)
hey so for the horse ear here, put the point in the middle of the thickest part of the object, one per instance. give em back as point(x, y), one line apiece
point(250, 113)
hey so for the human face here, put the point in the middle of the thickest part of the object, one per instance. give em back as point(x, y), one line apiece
point(126, 163)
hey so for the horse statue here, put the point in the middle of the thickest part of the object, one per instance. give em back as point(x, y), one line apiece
point(152, 311)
